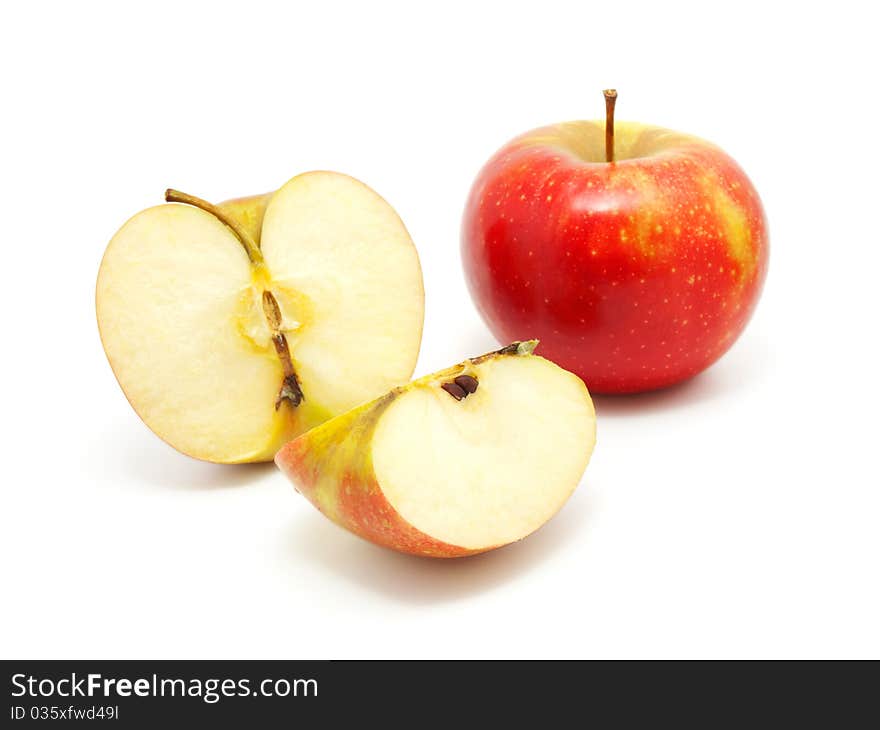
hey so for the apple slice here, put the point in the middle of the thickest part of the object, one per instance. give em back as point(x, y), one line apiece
point(234, 328)
point(459, 462)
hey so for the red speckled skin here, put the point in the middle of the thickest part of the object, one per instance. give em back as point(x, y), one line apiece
point(634, 275)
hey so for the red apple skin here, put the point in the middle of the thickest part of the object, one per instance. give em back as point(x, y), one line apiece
point(635, 275)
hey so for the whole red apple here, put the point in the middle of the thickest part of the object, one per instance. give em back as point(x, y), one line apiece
point(634, 274)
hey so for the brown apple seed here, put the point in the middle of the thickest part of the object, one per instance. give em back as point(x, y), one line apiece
point(456, 391)
point(467, 382)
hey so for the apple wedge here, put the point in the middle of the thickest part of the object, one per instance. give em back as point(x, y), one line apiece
point(459, 462)
point(234, 328)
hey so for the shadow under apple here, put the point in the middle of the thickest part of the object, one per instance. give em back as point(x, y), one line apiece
point(129, 453)
point(746, 363)
point(415, 580)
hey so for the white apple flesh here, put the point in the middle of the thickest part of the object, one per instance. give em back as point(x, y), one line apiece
point(210, 330)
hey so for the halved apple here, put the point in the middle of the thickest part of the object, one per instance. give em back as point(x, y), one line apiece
point(234, 328)
point(459, 462)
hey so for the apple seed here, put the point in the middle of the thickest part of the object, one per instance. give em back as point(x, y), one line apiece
point(456, 391)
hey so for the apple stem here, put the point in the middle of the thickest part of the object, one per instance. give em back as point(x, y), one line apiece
point(250, 247)
point(526, 347)
point(610, 100)
point(290, 387)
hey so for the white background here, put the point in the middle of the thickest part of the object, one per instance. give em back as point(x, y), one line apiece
point(736, 516)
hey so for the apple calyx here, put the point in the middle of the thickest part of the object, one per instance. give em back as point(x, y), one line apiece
point(290, 390)
point(610, 101)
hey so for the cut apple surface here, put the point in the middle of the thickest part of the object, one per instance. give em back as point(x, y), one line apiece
point(459, 462)
point(234, 328)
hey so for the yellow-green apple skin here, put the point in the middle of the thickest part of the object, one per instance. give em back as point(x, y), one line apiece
point(335, 465)
point(249, 212)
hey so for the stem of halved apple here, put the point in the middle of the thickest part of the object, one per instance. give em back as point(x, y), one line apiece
point(290, 387)
point(610, 100)
point(250, 247)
